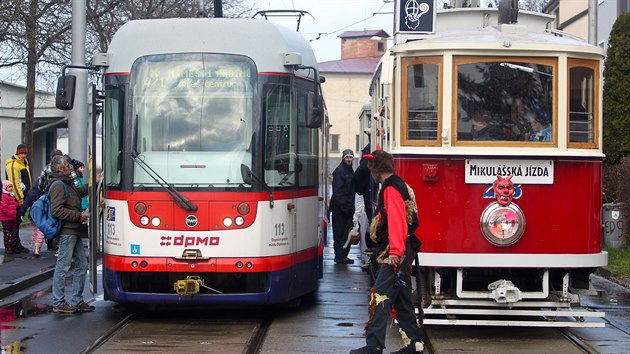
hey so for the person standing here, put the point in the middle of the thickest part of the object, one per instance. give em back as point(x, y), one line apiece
point(342, 206)
point(393, 230)
point(79, 169)
point(65, 205)
point(37, 236)
point(8, 211)
point(362, 181)
point(18, 173)
point(42, 185)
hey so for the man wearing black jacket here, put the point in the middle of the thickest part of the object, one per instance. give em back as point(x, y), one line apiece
point(342, 206)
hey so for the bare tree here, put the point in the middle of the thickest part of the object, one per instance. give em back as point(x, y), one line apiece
point(35, 35)
point(102, 23)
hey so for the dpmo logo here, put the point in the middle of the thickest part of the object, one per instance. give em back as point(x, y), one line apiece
point(191, 221)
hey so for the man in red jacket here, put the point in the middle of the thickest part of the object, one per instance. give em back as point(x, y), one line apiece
point(392, 229)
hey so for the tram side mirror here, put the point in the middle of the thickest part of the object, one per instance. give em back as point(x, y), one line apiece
point(314, 111)
point(64, 98)
point(246, 174)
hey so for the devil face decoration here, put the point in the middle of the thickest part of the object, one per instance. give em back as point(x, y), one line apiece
point(503, 190)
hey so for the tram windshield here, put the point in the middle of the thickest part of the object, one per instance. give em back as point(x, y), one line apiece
point(192, 118)
point(505, 100)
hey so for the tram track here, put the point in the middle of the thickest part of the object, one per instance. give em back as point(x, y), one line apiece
point(186, 332)
point(577, 341)
point(107, 335)
point(257, 339)
point(515, 340)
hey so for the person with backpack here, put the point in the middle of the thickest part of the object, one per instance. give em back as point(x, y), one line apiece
point(393, 230)
point(65, 206)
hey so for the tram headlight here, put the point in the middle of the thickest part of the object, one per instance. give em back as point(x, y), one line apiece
point(156, 221)
point(227, 222)
point(239, 221)
point(144, 220)
point(502, 225)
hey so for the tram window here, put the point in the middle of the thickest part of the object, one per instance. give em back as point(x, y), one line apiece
point(582, 101)
point(280, 147)
point(192, 109)
point(421, 82)
point(306, 165)
point(112, 131)
point(501, 100)
point(422, 120)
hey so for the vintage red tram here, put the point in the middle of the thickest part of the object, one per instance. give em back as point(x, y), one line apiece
point(477, 105)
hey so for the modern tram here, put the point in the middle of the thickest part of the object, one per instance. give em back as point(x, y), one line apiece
point(498, 129)
point(213, 153)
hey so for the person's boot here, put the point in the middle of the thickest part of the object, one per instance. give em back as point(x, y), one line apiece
point(36, 247)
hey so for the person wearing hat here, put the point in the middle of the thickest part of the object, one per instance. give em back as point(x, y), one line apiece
point(18, 173)
point(79, 169)
point(8, 209)
point(342, 206)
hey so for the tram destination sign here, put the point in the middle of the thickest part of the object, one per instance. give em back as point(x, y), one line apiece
point(523, 171)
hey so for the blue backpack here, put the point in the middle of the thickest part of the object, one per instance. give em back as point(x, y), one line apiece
point(41, 214)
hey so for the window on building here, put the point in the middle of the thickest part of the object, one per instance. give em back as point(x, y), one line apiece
point(334, 142)
point(381, 47)
point(357, 143)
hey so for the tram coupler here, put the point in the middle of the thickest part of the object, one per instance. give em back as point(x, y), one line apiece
point(503, 291)
point(188, 286)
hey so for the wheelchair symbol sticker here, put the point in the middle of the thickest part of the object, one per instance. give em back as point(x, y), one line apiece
point(135, 249)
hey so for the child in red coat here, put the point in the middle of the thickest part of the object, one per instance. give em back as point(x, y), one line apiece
point(8, 213)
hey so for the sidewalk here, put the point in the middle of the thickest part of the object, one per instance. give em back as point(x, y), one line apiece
point(20, 271)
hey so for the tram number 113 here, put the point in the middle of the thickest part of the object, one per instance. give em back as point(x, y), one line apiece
point(279, 229)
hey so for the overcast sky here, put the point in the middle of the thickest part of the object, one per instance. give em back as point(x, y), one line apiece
point(333, 17)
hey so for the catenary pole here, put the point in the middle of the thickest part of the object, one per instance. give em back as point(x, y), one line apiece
point(592, 22)
point(78, 116)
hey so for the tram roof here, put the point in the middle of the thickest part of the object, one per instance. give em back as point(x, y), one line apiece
point(261, 40)
point(477, 29)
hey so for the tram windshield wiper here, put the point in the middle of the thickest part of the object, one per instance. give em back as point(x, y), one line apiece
point(170, 189)
point(249, 177)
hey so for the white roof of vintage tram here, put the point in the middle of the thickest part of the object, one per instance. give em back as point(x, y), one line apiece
point(477, 29)
point(263, 41)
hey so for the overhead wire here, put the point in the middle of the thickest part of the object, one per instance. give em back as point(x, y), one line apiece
point(326, 34)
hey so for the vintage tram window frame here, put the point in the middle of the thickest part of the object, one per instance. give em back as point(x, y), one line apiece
point(594, 113)
point(406, 62)
point(465, 59)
